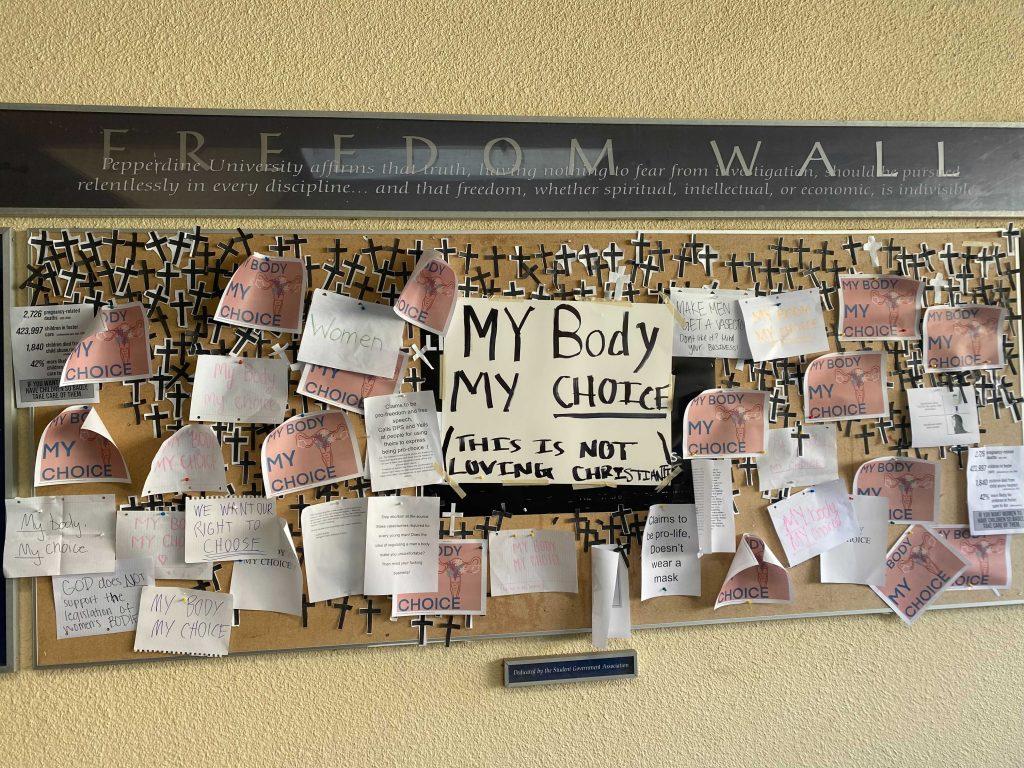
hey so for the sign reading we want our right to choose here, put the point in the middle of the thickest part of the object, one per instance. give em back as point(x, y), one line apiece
point(558, 392)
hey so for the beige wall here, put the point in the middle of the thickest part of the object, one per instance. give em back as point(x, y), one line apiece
point(846, 691)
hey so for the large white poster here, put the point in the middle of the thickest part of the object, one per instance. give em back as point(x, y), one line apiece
point(557, 392)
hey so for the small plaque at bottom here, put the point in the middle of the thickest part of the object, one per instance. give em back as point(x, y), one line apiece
point(574, 668)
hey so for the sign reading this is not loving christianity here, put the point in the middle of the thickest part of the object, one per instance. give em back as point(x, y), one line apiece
point(130, 160)
point(558, 392)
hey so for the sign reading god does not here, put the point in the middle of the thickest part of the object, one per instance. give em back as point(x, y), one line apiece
point(558, 392)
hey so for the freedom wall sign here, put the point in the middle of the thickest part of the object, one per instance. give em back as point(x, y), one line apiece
point(96, 160)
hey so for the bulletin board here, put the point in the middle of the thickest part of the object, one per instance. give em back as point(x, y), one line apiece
point(179, 276)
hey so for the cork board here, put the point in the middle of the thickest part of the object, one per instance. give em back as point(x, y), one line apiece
point(179, 277)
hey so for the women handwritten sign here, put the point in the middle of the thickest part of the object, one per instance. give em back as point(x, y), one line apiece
point(967, 337)
point(879, 307)
point(115, 349)
point(428, 298)
point(351, 335)
point(77, 448)
point(844, 387)
point(910, 486)
point(310, 450)
point(265, 293)
point(725, 423)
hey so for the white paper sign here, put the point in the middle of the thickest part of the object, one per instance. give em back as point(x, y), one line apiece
point(190, 460)
point(270, 583)
point(712, 492)
point(939, 416)
point(185, 621)
point(250, 390)
point(101, 603)
point(814, 520)
point(401, 544)
point(784, 324)
point(158, 534)
point(713, 323)
point(860, 559)
point(610, 604)
point(41, 340)
point(334, 548)
point(560, 392)
point(995, 490)
point(782, 466)
point(403, 443)
point(59, 535)
point(351, 335)
point(669, 557)
point(529, 560)
point(230, 528)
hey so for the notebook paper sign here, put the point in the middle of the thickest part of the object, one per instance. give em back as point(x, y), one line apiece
point(918, 569)
point(711, 324)
point(844, 387)
point(351, 335)
point(308, 451)
point(558, 392)
point(116, 348)
point(76, 447)
point(229, 528)
point(814, 521)
point(968, 337)
point(532, 560)
point(101, 603)
point(909, 486)
point(265, 293)
point(879, 307)
point(184, 621)
point(784, 325)
point(239, 389)
point(725, 424)
point(59, 535)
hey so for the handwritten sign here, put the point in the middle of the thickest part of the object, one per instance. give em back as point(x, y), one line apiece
point(558, 392)
point(116, 348)
point(229, 528)
point(308, 451)
point(347, 389)
point(814, 521)
point(529, 560)
point(351, 335)
point(185, 621)
point(711, 325)
point(264, 293)
point(919, 567)
point(239, 389)
point(428, 298)
point(76, 447)
point(754, 576)
point(190, 460)
point(783, 465)
point(784, 324)
point(725, 423)
point(988, 557)
point(910, 487)
point(101, 603)
point(59, 535)
point(844, 387)
point(42, 338)
point(462, 583)
point(158, 534)
point(967, 337)
point(879, 307)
